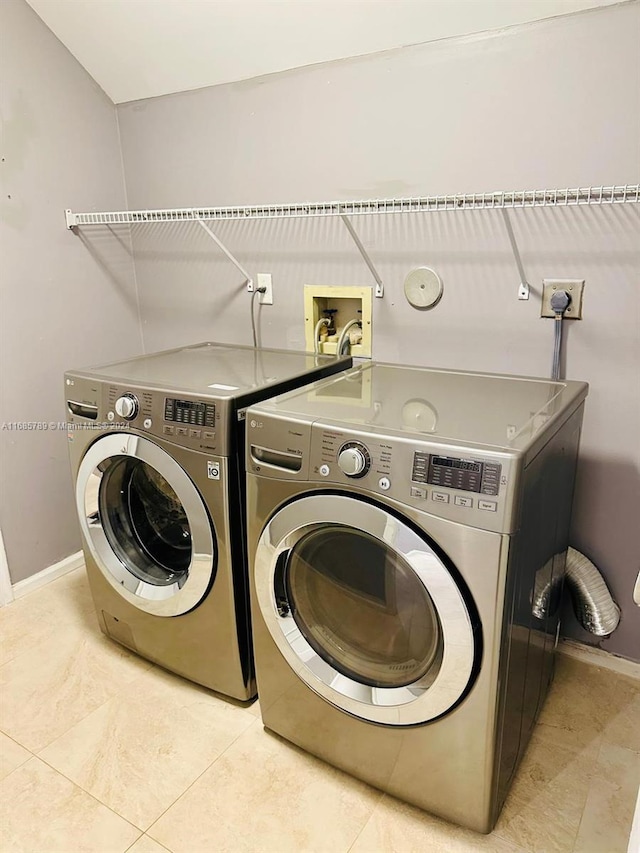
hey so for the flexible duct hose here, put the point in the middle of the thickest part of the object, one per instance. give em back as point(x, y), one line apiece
point(594, 607)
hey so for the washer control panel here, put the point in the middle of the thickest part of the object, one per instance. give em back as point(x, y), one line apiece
point(192, 423)
point(190, 412)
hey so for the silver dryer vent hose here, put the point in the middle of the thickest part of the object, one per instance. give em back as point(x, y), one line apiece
point(594, 607)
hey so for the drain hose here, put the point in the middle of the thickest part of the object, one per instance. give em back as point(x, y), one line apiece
point(594, 607)
point(316, 333)
point(344, 336)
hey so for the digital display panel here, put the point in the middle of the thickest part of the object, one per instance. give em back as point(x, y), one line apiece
point(190, 412)
point(467, 475)
point(461, 464)
point(187, 404)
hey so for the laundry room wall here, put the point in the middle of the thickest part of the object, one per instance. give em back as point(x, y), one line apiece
point(65, 302)
point(549, 104)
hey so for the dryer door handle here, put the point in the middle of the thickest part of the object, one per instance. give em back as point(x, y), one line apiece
point(83, 410)
point(276, 458)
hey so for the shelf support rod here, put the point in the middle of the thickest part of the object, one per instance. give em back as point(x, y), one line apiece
point(379, 291)
point(223, 248)
point(523, 290)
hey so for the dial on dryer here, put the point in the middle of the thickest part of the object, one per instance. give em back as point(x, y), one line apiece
point(354, 459)
point(127, 406)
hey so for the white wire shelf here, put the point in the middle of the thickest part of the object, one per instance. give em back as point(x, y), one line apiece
point(568, 197)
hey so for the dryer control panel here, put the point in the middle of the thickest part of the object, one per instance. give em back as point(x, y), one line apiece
point(466, 484)
point(458, 483)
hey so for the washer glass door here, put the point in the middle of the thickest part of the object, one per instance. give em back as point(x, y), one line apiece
point(364, 610)
point(145, 524)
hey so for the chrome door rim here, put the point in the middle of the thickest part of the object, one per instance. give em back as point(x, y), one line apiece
point(419, 702)
point(169, 600)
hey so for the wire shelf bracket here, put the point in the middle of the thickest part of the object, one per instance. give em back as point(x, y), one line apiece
point(234, 261)
point(523, 289)
point(379, 288)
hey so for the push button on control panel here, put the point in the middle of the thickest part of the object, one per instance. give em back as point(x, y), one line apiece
point(417, 492)
point(460, 501)
point(490, 506)
point(490, 479)
point(440, 497)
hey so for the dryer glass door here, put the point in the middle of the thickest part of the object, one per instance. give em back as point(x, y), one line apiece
point(145, 524)
point(360, 605)
point(365, 610)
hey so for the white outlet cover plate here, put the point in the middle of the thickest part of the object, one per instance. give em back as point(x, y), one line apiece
point(264, 280)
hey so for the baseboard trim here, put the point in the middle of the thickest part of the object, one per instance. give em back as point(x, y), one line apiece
point(6, 592)
point(598, 657)
point(51, 573)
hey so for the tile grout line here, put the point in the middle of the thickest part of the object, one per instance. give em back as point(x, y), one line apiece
point(200, 775)
point(99, 636)
point(144, 835)
point(595, 779)
point(37, 753)
point(591, 784)
point(82, 719)
point(367, 821)
point(125, 687)
point(93, 796)
point(22, 763)
point(89, 794)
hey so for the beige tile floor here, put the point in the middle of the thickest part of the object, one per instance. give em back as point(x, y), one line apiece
point(101, 751)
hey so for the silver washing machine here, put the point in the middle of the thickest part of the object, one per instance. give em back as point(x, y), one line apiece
point(157, 457)
point(407, 535)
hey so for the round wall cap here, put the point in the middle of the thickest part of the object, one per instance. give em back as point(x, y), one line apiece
point(423, 288)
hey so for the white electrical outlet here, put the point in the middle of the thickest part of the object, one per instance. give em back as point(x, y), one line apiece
point(264, 280)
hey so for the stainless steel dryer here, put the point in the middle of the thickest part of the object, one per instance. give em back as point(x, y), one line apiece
point(157, 457)
point(407, 537)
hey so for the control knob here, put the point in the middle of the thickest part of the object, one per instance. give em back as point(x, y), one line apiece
point(353, 460)
point(127, 406)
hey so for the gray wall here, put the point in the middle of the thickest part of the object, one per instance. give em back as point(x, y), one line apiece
point(548, 104)
point(64, 303)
